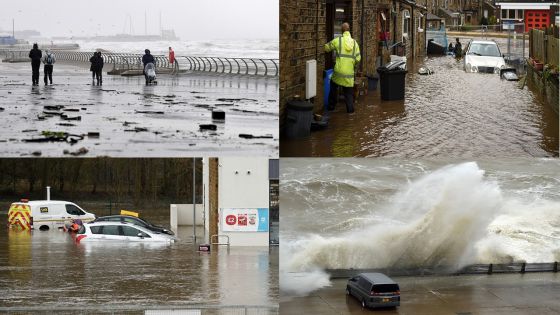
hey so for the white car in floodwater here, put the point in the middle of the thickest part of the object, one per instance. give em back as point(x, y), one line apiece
point(483, 56)
point(120, 231)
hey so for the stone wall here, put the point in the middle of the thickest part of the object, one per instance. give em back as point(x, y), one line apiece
point(302, 29)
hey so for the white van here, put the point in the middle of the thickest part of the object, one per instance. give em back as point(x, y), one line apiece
point(49, 214)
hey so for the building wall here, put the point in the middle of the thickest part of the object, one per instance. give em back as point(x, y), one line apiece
point(213, 196)
point(244, 184)
point(302, 38)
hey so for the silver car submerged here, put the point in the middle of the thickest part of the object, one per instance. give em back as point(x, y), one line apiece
point(483, 56)
point(120, 231)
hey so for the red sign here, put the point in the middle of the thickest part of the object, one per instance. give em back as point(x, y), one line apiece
point(231, 219)
point(242, 218)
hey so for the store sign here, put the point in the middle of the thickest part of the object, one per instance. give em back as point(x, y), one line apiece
point(244, 220)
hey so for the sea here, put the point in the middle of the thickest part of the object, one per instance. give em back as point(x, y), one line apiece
point(250, 48)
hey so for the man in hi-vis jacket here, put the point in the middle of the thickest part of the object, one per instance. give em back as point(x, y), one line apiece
point(347, 56)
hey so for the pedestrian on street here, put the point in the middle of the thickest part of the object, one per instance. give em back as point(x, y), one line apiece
point(458, 48)
point(48, 61)
point(171, 55)
point(35, 55)
point(97, 68)
point(347, 57)
point(146, 59)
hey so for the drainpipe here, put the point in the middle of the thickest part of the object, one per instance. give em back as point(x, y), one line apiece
point(362, 40)
point(394, 26)
point(413, 30)
point(48, 192)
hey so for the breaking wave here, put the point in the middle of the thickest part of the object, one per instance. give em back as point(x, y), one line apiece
point(451, 217)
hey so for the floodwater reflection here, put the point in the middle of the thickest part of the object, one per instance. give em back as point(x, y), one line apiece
point(52, 270)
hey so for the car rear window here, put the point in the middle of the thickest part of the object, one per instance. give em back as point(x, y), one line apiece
point(385, 288)
point(82, 229)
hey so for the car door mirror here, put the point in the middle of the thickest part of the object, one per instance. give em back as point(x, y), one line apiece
point(141, 235)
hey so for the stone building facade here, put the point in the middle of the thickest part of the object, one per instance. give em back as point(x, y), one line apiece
point(306, 25)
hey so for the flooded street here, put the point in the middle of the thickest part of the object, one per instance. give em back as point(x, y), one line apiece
point(132, 119)
point(449, 113)
point(51, 270)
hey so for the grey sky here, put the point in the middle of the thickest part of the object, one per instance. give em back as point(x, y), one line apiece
point(191, 19)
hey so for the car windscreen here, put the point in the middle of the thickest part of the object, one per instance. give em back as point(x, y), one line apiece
point(73, 210)
point(480, 49)
point(385, 288)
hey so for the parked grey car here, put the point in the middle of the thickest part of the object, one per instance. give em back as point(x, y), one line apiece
point(374, 290)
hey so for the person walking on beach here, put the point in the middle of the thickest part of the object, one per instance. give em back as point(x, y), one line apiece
point(97, 67)
point(171, 55)
point(347, 56)
point(35, 55)
point(146, 59)
point(48, 61)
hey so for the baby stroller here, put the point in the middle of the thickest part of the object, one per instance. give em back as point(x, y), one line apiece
point(150, 73)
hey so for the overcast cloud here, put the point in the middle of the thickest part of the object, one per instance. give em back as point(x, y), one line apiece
point(191, 19)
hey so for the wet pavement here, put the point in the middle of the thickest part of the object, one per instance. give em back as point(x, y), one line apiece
point(126, 118)
point(49, 270)
point(485, 294)
point(450, 113)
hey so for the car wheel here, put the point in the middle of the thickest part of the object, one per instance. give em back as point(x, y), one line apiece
point(363, 303)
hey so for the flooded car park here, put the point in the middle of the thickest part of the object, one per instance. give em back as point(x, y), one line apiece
point(49, 268)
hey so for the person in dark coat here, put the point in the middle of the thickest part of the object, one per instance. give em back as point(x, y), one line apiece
point(97, 67)
point(146, 59)
point(35, 55)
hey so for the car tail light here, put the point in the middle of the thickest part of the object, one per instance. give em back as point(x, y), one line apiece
point(79, 238)
point(24, 200)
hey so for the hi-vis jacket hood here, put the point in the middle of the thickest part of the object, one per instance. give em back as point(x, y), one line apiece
point(347, 56)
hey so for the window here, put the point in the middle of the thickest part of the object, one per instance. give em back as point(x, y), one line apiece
point(364, 284)
point(73, 210)
point(96, 230)
point(130, 231)
point(511, 14)
point(406, 23)
point(111, 230)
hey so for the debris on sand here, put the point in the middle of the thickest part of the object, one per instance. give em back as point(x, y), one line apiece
point(2, 109)
point(218, 114)
point(53, 107)
point(249, 136)
point(36, 153)
point(149, 112)
point(66, 117)
point(71, 110)
point(128, 123)
point(29, 130)
point(235, 99)
point(80, 151)
point(137, 129)
point(93, 134)
point(208, 127)
point(66, 124)
point(56, 136)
